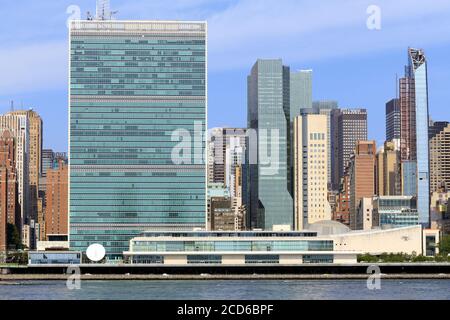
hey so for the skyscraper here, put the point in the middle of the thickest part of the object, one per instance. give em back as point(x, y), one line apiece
point(330, 109)
point(227, 151)
point(342, 208)
point(18, 127)
point(407, 118)
point(137, 122)
point(300, 92)
point(235, 139)
point(56, 213)
point(270, 168)
point(34, 156)
point(352, 127)
point(388, 172)
point(8, 188)
point(439, 156)
point(362, 177)
point(409, 177)
point(414, 127)
point(217, 153)
point(48, 157)
point(310, 170)
point(392, 119)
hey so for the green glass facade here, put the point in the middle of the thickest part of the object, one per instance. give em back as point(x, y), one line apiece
point(232, 246)
point(132, 85)
point(269, 199)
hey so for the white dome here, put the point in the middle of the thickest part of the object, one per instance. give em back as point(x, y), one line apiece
point(328, 227)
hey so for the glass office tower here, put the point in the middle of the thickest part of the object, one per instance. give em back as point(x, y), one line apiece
point(270, 198)
point(137, 88)
point(418, 72)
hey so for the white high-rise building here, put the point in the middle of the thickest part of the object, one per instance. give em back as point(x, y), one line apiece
point(310, 170)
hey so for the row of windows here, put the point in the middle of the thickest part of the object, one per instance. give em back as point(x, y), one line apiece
point(138, 83)
point(178, 246)
point(133, 124)
point(317, 136)
point(187, 64)
point(133, 112)
point(130, 39)
point(148, 142)
point(141, 173)
point(138, 86)
point(134, 203)
point(193, 153)
point(155, 47)
point(162, 58)
point(118, 133)
point(131, 162)
point(132, 153)
point(138, 92)
point(136, 51)
point(217, 259)
point(396, 203)
point(138, 75)
point(198, 219)
point(139, 69)
point(224, 234)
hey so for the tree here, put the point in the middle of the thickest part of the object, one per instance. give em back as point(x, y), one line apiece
point(444, 245)
point(13, 237)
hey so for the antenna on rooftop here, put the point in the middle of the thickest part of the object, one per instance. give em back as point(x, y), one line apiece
point(12, 105)
point(396, 85)
point(104, 10)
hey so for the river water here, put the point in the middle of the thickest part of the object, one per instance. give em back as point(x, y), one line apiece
point(227, 290)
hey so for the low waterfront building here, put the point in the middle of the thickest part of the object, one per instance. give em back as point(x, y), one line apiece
point(409, 240)
point(234, 248)
point(322, 242)
point(54, 257)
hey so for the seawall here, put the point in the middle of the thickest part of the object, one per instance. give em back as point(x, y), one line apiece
point(221, 272)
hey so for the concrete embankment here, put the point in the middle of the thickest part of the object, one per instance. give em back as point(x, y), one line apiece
point(225, 272)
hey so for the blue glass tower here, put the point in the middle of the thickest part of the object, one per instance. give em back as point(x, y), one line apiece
point(134, 87)
point(268, 116)
point(418, 73)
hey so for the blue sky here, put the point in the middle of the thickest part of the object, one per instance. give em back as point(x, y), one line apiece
point(351, 64)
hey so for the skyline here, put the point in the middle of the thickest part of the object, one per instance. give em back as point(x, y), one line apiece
point(324, 153)
point(228, 68)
